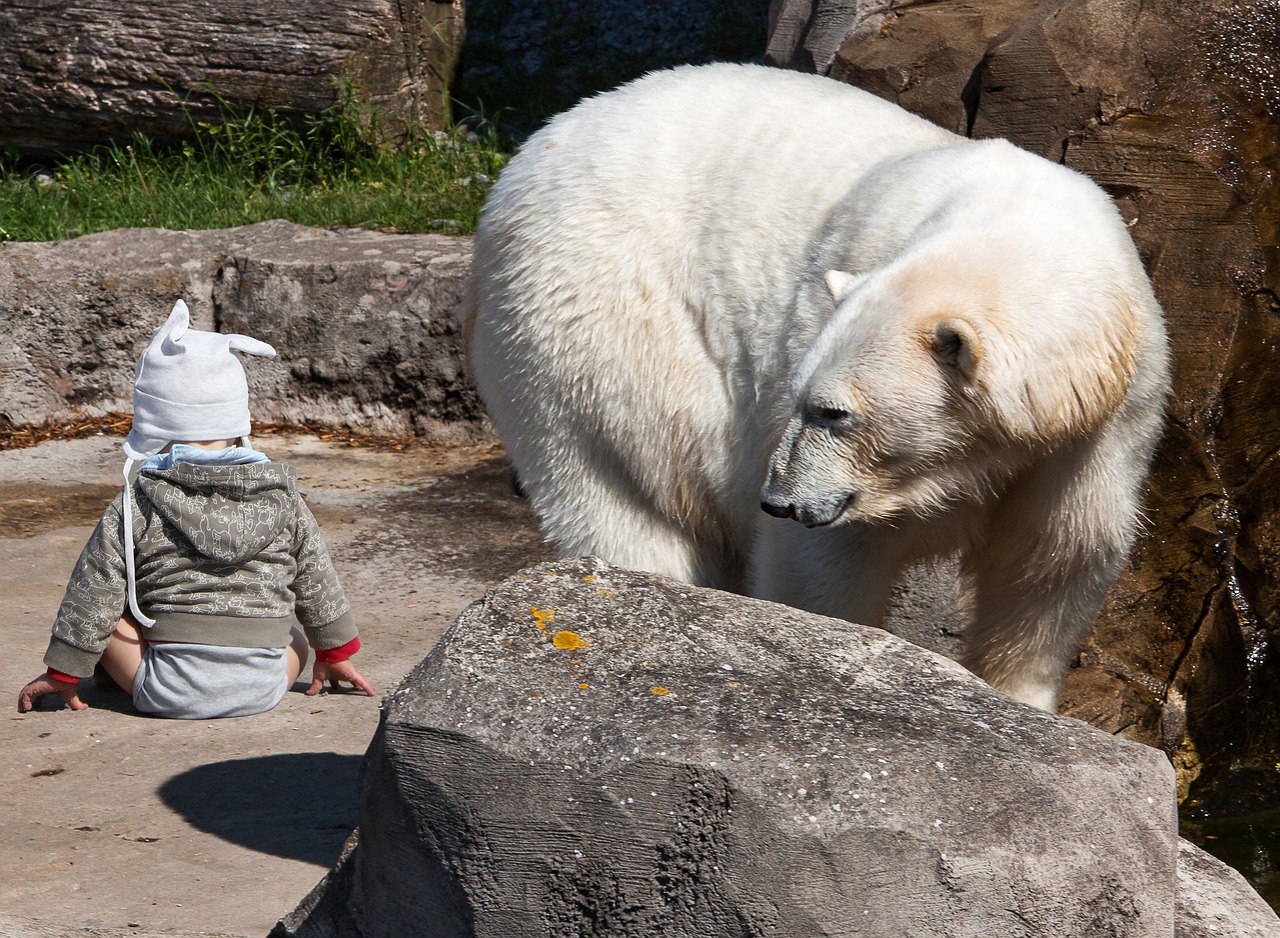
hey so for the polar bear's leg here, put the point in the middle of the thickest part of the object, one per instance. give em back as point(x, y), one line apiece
point(587, 504)
point(616, 463)
point(845, 572)
point(1027, 628)
point(634, 537)
point(1053, 550)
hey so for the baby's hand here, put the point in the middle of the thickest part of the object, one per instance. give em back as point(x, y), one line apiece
point(335, 673)
point(31, 695)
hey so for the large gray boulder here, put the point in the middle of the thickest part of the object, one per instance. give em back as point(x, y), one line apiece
point(365, 323)
point(80, 74)
point(591, 751)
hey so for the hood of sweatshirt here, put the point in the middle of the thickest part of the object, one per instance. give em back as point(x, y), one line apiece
point(227, 513)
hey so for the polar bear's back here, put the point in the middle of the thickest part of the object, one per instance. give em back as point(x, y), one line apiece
point(735, 162)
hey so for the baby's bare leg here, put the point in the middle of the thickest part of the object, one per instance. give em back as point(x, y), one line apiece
point(124, 653)
point(296, 654)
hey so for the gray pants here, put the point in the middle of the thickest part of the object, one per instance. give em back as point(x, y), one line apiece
point(202, 682)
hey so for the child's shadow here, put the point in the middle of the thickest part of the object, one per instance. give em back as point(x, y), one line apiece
point(301, 806)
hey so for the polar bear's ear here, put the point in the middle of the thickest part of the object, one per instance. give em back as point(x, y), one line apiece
point(841, 284)
point(957, 344)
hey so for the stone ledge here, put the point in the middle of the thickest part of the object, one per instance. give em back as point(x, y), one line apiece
point(365, 323)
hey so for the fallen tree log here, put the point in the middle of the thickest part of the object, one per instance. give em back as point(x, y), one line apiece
point(84, 73)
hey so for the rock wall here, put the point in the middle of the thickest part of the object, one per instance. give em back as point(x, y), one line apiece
point(527, 60)
point(1174, 108)
point(80, 74)
point(596, 752)
point(365, 324)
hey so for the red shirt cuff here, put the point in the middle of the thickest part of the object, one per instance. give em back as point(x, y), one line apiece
point(59, 676)
point(341, 653)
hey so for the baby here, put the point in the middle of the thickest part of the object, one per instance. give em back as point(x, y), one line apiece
point(207, 577)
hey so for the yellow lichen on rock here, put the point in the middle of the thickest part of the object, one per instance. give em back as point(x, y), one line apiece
point(568, 641)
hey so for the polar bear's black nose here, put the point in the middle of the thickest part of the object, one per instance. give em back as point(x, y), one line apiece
point(775, 509)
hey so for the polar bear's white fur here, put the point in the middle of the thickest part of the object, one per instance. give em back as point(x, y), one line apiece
point(724, 288)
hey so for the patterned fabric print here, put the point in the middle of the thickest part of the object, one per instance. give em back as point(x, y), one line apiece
point(228, 513)
point(95, 597)
point(217, 539)
point(318, 602)
point(226, 540)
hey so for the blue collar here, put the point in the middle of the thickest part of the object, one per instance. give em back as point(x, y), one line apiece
point(181, 452)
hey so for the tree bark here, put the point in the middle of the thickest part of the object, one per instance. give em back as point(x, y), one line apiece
point(83, 72)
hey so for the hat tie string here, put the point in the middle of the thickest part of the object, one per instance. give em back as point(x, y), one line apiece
point(131, 577)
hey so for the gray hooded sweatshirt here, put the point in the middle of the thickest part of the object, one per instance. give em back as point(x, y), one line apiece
point(224, 555)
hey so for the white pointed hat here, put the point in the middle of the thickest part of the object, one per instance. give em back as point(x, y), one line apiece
point(189, 386)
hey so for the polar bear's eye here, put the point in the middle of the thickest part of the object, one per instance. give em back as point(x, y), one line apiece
point(827, 414)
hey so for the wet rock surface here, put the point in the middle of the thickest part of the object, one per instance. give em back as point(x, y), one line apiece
point(1173, 109)
point(591, 751)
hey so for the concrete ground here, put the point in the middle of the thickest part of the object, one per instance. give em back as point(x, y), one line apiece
point(117, 824)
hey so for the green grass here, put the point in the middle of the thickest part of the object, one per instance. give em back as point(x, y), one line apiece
point(335, 169)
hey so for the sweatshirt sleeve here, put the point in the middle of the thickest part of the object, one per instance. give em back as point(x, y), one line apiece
point(94, 601)
point(321, 605)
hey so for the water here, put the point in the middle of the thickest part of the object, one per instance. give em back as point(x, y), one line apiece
point(1248, 842)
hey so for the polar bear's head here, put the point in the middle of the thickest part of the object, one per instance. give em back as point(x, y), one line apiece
point(937, 380)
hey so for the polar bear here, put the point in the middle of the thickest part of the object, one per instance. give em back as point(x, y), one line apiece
point(721, 289)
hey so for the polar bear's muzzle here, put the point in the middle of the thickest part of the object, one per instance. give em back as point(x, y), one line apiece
point(799, 484)
point(812, 513)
